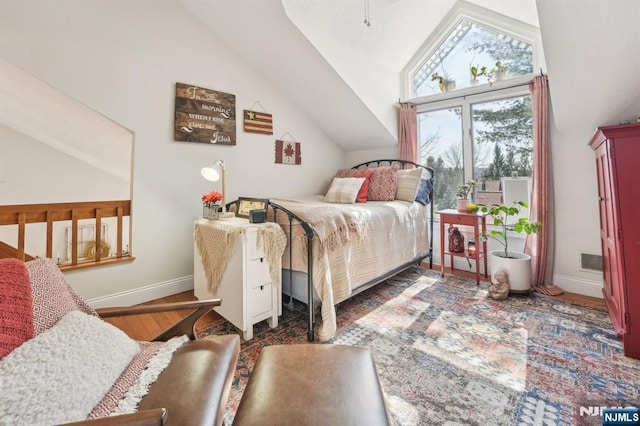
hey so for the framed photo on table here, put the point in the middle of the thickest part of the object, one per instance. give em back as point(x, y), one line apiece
point(245, 205)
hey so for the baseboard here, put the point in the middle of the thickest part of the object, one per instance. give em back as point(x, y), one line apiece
point(178, 285)
point(569, 284)
point(459, 263)
point(144, 294)
point(578, 286)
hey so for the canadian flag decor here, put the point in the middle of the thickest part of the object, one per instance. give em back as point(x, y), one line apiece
point(288, 152)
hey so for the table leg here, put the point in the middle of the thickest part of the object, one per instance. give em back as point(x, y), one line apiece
point(477, 253)
point(441, 248)
point(484, 246)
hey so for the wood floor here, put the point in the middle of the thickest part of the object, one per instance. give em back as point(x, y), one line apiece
point(147, 326)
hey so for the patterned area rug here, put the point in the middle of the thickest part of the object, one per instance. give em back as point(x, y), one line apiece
point(447, 355)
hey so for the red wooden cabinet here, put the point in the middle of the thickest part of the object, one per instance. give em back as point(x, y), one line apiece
point(617, 150)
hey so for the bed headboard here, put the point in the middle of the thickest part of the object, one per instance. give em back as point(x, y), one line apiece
point(403, 164)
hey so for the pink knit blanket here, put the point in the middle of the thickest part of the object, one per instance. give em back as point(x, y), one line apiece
point(16, 305)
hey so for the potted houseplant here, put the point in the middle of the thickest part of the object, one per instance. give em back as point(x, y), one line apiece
point(517, 265)
point(211, 205)
point(475, 73)
point(462, 193)
point(498, 72)
point(444, 83)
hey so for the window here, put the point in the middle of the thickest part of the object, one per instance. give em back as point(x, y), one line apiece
point(440, 145)
point(482, 132)
point(473, 45)
point(486, 137)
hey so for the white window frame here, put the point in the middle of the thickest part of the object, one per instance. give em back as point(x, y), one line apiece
point(480, 16)
point(465, 102)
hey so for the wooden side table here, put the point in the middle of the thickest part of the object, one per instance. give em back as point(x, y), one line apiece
point(457, 218)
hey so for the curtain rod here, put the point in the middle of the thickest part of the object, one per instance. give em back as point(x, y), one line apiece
point(474, 94)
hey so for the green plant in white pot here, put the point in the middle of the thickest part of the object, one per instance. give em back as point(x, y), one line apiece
point(498, 72)
point(477, 72)
point(516, 264)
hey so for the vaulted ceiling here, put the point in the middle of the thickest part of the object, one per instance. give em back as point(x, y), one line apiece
point(397, 27)
point(346, 75)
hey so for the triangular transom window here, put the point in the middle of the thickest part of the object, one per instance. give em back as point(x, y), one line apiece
point(468, 45)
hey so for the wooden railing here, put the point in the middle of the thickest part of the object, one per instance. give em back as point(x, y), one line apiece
point(24, 214)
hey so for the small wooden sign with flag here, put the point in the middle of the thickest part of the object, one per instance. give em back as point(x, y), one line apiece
point(258, 122)
point(288, 152)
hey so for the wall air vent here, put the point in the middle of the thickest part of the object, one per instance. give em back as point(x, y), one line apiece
point(591, 262)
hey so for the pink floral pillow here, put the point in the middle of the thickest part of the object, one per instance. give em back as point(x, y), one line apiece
point(53, 296)
point(382, 184)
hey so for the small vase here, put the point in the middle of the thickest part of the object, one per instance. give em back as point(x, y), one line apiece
point(211, 212)
point(498, 76)
point(449, 85)
point(461, 205)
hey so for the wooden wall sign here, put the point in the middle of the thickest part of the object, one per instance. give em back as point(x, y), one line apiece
point(288, 152)
point(258, 122)
point(204, 115)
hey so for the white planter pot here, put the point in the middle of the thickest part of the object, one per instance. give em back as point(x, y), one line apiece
point(517, 267)
point(449, 85)
point(461, 205)
point(498, 76)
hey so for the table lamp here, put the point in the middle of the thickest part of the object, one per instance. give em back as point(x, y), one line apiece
point(211, 173)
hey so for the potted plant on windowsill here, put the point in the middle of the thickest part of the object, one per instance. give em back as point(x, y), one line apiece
point(476, 73)
point(463, 191)
point(499, 72)
point(517, 265)
point(444, 83)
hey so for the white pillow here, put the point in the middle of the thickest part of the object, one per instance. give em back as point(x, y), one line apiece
point(344, 190)
point(407, 184)
point(63, 372)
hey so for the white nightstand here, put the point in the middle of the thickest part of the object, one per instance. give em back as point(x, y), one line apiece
point(246, 288)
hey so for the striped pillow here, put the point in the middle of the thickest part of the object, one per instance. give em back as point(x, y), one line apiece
point(344, 190)
point(407, 184)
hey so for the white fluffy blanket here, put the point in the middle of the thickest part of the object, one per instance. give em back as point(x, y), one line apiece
point(61, 374)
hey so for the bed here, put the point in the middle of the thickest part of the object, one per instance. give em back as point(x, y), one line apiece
point(337, 249)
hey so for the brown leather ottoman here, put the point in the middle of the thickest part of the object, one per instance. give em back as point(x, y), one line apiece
point(313, 384)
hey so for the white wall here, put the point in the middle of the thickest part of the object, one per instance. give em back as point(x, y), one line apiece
point(374, 82)
point(590, 50)
point(353, 158)
point(38, 173)
point(123, 58)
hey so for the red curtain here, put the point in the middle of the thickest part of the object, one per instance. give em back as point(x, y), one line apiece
point(541, 246)
point(408, 133)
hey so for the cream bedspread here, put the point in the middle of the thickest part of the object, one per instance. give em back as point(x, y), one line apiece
point(379, 236)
